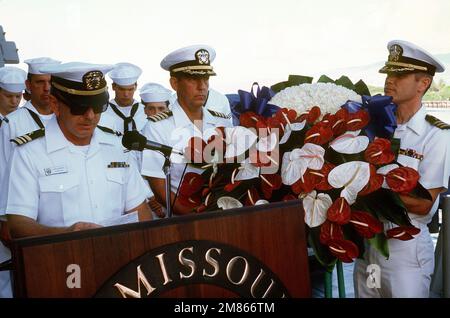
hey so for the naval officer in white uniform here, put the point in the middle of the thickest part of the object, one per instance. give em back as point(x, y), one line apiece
point(73, 175)
point(190, 69)
point(424, 146)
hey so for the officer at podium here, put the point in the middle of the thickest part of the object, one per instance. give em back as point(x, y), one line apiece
point(72, 175)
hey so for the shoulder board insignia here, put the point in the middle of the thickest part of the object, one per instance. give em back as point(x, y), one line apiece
point(109, 130)
point(437, 122)
point(160, 116)
point(22, 140)
point(218, 114)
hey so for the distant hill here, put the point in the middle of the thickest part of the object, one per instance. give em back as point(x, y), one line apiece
point(369, 73)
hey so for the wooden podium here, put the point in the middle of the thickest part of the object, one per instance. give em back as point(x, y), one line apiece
point(249, 252)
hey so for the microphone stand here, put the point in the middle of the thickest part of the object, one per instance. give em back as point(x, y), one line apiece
point(166, 169)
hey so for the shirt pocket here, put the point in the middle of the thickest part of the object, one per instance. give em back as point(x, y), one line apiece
point(115, 179)
point(58, 199)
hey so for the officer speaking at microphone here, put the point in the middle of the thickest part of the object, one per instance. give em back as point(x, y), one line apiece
point(190, 69)
point(73, 175)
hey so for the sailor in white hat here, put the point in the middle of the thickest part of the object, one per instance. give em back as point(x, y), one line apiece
point(88, 178)
point(424, 146)
point(124, 112)
point(155, 98)
point(34, 114)
point(12, 84)
point(190, 69)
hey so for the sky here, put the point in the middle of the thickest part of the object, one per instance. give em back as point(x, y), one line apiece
point(255, 40)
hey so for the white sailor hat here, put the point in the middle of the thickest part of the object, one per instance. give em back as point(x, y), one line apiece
point(153, 92)
point(79, 83)
point(125, 74)
point(12, 79)
point(35, 64)
point(405, 57)
point(193, 60)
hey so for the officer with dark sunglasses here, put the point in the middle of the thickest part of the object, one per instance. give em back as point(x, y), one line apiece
point(74, 175)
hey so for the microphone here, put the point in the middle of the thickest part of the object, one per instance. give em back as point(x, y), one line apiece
point(133, 140)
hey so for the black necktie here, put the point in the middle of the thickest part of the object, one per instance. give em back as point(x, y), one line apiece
point(126, 120)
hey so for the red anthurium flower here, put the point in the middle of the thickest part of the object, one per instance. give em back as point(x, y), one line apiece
point(379, 152)
point(402, 179)
point(270, 182)
point(194, 150)
point(339, 211)
point(200, 208)
point(358, 120)
point(274, 123)
point(250, 119)
point(286, 116)
point(217, 141)
point(323, 185)
point(192, 183)
point(365, 224)
point(375, 182)
point(191, 201)
point(307, 182)
point(404, 233)
point(330, 231)
point(289, 197)
point(338, 121)
point(319, 134)
point(311, 116)
point(344, 250)
point(252, 197)
point(231, 186)
point(264, 159)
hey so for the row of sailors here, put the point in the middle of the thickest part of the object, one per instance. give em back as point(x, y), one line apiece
point(63, 165)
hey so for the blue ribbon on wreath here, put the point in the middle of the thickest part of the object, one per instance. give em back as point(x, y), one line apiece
point(250, 101)
point(382, 115)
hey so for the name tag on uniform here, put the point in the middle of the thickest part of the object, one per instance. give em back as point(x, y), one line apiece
point(55, 170)
point(115, 164)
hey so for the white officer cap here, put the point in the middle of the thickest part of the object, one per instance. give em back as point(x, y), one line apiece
point(12, 79)
point(405, 57)
point(193, 60)
point(125, 74)
point(82, 83)
point(35, 64)
point(153, 92)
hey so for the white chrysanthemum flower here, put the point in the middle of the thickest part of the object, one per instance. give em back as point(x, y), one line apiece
point(328, 96)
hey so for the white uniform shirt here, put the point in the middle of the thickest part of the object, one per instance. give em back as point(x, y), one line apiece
point(434, 144)
point(175, 132)
point(111, 120)
point(57, 184)
point(19, 123)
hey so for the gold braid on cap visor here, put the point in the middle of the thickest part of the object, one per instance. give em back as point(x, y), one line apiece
point(78, 92)
point(192, 68)
point(415, 67)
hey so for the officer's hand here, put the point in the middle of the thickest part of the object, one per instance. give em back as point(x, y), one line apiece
point(83, 226)
point(156, 207)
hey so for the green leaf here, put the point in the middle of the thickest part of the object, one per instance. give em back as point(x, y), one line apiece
point(325, 79)
point(346, 82)
point(321, 252)
point(387, 204)
point(361, 88)
point(420, 192)
point(395, 146)
point(294, 80)
point(279, 86)
point(380, 243)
